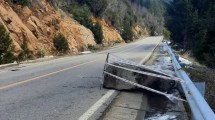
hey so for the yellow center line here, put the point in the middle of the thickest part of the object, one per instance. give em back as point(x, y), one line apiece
point(52, 73)
point(42, 76)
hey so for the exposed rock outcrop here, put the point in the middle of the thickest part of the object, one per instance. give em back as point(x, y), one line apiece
point(139, 31)
point(39, 24)
point(109, 32)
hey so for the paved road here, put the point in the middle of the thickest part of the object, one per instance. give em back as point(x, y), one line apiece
point(60, 89)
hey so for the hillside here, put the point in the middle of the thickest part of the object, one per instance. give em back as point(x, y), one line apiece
point(192, 26)
point(39, 24)
point(33, 24)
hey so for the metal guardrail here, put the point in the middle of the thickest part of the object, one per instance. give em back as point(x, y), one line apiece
point(199, 107)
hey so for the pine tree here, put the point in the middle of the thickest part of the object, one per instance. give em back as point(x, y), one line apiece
point(210, 39)
point(6, 47)
point(127, 33)
point(20, 2)
point(98, 33)
point(97, 6)
point(25, 54)
point(180, 22)
point(192, 23)
point(61, 43)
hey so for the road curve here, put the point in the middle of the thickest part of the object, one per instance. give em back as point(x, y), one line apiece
point(60, 89)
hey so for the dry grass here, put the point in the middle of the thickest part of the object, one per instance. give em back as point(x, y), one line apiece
point(188, 56)
point(198, 73)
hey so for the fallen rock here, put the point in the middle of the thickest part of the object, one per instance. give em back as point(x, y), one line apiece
point(145, 80)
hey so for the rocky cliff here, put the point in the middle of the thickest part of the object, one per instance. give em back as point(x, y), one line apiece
point(39, 23)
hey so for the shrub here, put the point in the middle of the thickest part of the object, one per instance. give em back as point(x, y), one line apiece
point(20, 2)
point(115, 19)
point(6, 47)
point(127, 33)
point(41, 53)
point(61, 43)
point(97, 6)
point(82, 49)
point(25, 54)
point(153, 30)
point(98, 33)
point(91, 47)
point(166, 34)
point(81, 14)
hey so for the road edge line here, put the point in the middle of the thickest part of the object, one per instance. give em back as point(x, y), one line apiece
point(145, 59)
point(100, 106)
point(106, 100)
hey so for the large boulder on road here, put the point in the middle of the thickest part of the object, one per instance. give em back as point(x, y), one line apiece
point(145, 80)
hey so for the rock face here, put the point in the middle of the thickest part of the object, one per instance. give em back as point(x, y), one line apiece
point(39, 24)
point(139, 31)
point(110, 34)
point(152, 82)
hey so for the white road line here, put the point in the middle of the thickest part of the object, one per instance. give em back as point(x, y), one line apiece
point(97, 105)
point(106, 97)
point(150, 54)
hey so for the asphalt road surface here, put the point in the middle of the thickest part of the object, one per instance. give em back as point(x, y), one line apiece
point(61, 89)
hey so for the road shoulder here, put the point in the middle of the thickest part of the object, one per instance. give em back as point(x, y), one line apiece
point(136, 105)
point(130, 105)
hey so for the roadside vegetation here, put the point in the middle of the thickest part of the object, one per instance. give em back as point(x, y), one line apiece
point(6, 47)
point(127, 33)
point(82, 13)
point(41, 53)
point(61, 44)
point(166, 34)
point(98, 33)
point(151, 14)
point(97, 7)
point(123, 15)
point(207, 75)
point(91, 47)
point(25, 54)
point(192, 24)
point(20, 2)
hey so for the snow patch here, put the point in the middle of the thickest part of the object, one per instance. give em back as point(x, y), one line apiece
point(86, 52)
point(185, 61)
point(162, 117)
